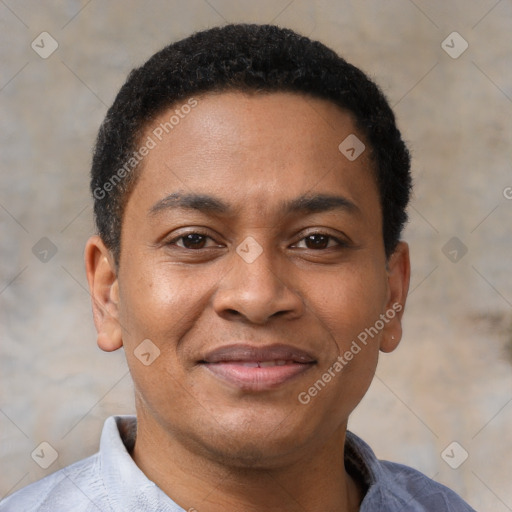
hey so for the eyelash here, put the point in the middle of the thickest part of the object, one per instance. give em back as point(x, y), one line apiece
point(340, 243)
point(196, 232)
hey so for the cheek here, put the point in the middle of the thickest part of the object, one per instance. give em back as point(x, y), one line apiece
point(160, 302)
point(348, 300)
point(158, 307)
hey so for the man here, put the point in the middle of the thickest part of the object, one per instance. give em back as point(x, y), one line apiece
point(250, 189)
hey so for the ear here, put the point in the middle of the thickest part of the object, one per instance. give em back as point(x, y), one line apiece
point(399, 272)
point(104, 290)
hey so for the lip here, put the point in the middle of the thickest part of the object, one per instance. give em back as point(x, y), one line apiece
point(257, 368)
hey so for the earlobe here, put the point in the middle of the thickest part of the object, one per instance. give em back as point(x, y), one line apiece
point(104, 290)
point(399, 271)
point(110, 339)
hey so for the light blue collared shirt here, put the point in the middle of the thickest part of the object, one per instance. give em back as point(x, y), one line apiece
point(110, 481)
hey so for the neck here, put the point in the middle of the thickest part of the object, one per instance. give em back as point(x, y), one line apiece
point(313, 481)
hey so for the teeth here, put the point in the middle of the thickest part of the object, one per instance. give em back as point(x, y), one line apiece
point(265, 364)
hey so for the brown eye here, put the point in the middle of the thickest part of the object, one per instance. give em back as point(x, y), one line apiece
point(320, 241)
point(317, 241)
point(193, 241)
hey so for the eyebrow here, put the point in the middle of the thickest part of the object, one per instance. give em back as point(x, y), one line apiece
point(207, 204)
point(201, 202)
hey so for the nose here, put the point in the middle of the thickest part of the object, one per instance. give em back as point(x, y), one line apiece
point(258, 290)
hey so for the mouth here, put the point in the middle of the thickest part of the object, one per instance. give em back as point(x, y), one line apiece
point(257, 368)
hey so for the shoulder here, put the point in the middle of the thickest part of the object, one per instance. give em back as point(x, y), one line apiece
point(413, 487)
point(392, 486)
point(77, 487)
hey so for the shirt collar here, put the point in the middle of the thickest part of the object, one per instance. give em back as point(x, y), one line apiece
point(127, 486)
point(361, 462)
point(129, 489)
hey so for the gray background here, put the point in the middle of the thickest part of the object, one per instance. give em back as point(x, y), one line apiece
point(450, 380)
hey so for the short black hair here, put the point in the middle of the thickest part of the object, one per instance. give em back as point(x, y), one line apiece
point(248, 58)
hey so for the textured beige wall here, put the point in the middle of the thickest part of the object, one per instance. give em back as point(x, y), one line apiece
point(450, 380)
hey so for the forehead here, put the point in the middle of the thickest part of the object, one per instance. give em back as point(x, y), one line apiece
point(243, 120)
point(258, 148)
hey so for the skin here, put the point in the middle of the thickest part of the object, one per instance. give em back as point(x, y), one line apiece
point(242, 449)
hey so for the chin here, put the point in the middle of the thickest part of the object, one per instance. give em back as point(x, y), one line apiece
point(254, 454)
point(255, 445)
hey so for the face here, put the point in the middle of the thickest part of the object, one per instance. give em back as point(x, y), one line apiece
point(252, 259)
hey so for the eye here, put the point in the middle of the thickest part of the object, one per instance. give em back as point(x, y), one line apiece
point(318, 241)
point(192, 240)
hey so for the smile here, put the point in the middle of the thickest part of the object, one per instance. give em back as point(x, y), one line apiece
point(257, 368)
